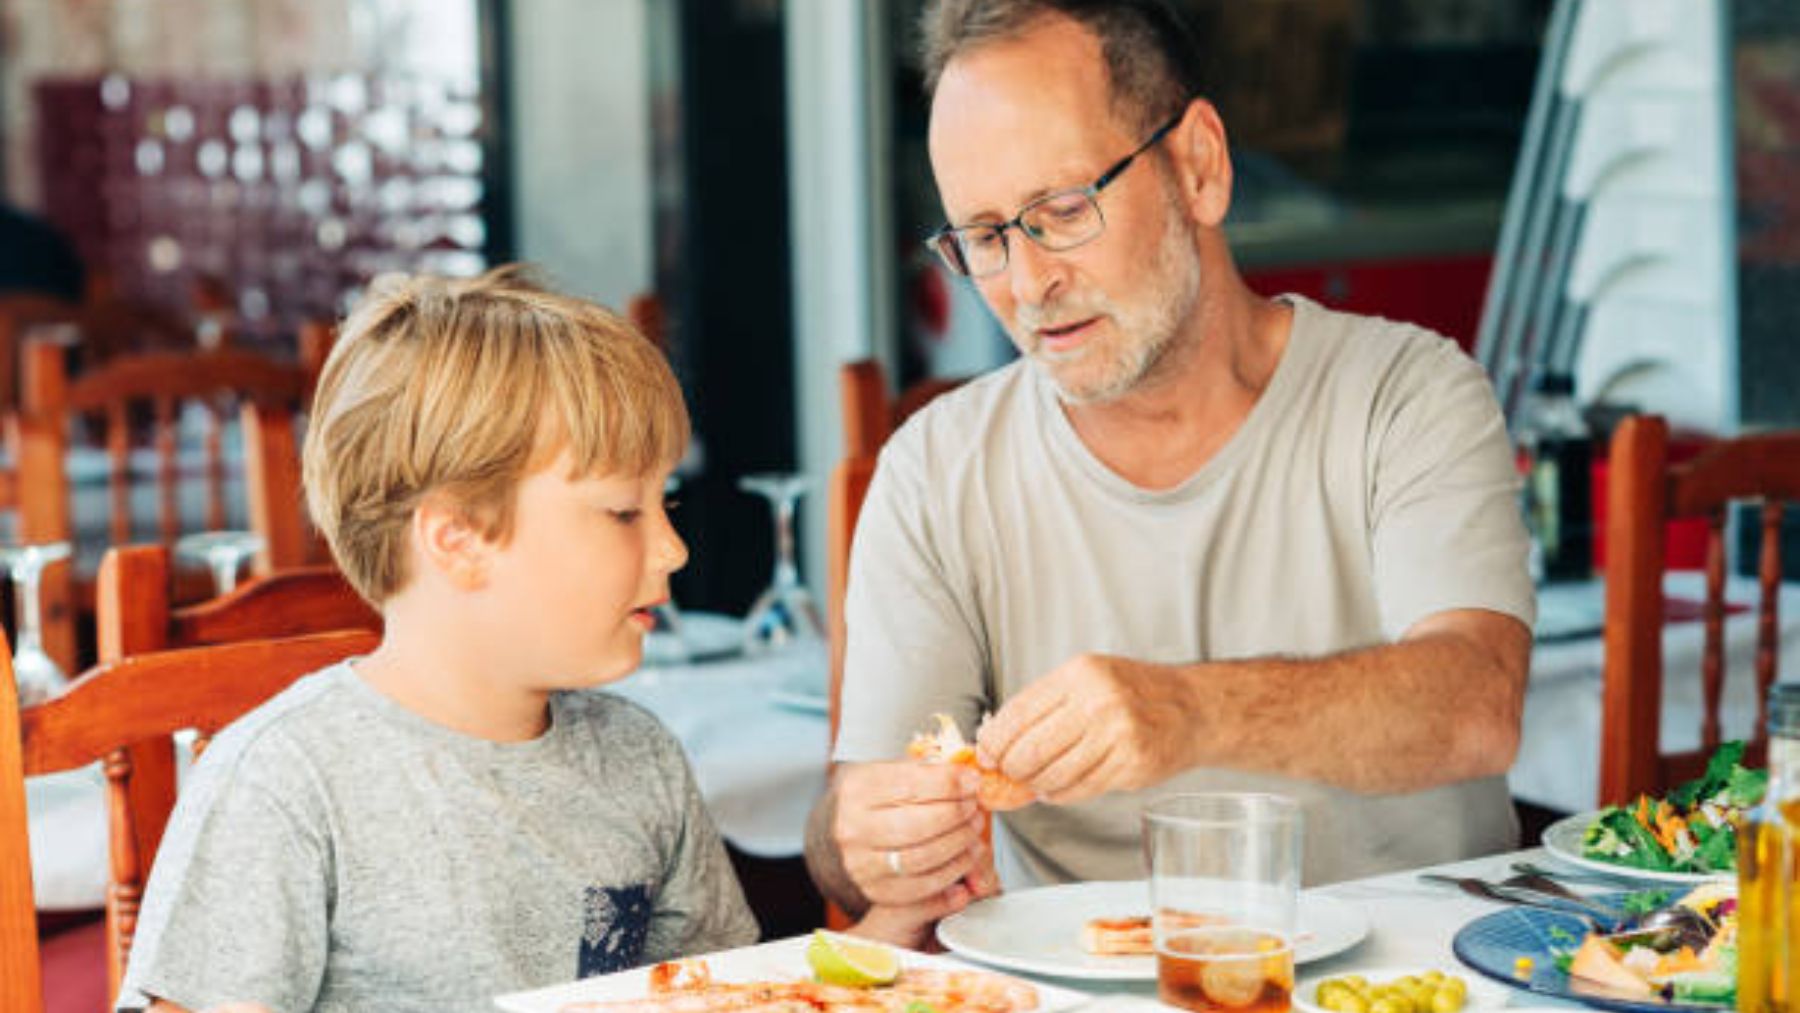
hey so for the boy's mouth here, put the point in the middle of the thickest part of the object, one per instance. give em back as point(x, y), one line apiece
point(645, 615)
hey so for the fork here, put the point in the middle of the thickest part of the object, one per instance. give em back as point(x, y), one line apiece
point(1602, 919)
point(1593, 878)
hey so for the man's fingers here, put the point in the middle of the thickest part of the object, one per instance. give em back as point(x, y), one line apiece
point(1041, 746)
point(933, 853)
point(897, 827)
point(916, 887)
point(931, 782)
point(1001, 731)
point(1068, 771)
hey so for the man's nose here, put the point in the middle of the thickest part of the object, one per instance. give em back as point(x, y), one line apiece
point(1034, 272)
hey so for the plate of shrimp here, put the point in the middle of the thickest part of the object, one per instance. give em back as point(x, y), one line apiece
point(775, 977)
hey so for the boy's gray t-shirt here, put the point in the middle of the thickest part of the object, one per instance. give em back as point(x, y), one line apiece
point(1371, 485)
point(335, 851)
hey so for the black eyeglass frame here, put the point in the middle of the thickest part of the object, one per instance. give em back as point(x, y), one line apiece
point(945, 242)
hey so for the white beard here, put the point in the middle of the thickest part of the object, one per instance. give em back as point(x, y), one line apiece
point(1145, 331)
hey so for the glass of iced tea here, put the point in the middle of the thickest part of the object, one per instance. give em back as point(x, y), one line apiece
point(1224, 884)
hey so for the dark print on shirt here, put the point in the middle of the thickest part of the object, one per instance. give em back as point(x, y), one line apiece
point(615, 922)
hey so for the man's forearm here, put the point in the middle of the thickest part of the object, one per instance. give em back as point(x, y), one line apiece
point(823, 859)
point(1433, 709)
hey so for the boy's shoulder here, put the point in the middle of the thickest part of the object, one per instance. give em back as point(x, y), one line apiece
point(279, 742)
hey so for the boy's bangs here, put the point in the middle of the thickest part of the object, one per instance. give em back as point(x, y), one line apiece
point(626, 417)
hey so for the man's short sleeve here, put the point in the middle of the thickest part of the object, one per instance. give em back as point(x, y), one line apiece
point(236, 908)
point(1444, 506)
point(912, 645)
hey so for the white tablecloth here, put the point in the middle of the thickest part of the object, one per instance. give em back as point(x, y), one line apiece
point(755, 730)
point(1559, 753)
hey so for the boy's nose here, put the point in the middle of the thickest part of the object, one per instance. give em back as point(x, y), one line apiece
point(671, 551)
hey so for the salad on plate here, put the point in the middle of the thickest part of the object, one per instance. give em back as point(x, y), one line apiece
point(1693, 829)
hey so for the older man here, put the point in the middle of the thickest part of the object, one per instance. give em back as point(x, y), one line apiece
point(1193, 539)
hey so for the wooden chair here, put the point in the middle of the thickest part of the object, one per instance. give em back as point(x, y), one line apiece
point(117, 704)
point(271, 394)
point(107, 326)
point(1644, 491)
point(136, 614)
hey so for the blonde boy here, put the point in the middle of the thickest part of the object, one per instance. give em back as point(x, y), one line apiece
point(440, 821)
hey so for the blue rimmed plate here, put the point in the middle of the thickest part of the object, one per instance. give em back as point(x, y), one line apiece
point(1493, 945)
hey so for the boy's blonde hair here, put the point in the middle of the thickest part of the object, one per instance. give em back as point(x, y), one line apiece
point(460, 387)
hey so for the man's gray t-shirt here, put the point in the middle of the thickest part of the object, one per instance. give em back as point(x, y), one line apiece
point(1371, 485)
point(336, 851)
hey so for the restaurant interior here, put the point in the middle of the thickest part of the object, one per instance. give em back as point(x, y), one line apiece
point(1596, 199)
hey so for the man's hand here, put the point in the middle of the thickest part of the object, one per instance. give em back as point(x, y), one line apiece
point(1092, 725)
point(904, 833)
point(911, 926)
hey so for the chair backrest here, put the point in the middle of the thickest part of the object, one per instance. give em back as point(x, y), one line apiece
point(136, 615)
point(870, 416)
point(269, 394)
point(117, 704)
point(1644, 491)
point(107, 326)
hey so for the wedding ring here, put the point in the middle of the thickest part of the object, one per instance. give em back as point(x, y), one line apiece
point(893, 860)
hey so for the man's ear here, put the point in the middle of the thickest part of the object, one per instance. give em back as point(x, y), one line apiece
point(1201, 157)
point(447, 540)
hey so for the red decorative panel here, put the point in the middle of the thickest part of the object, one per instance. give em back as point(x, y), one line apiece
point(292, 193)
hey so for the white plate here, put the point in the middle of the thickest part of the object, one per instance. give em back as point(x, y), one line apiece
point(1563, 840)
point(784, 959)
point(1038, 931)
point(1483, 993)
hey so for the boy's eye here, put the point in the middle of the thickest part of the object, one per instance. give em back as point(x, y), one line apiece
point(627, 516)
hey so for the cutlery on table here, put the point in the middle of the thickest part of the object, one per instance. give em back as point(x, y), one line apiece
point(1622, 883)
point(1604, 920)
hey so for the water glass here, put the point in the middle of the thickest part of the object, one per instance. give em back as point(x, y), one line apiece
point(1224, 887)
point(38, 677)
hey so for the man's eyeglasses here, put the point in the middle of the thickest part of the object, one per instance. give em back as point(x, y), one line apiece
point(1056, 221)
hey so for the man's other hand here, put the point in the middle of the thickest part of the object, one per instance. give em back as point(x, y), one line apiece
point(1092, 725)
point(907, 832)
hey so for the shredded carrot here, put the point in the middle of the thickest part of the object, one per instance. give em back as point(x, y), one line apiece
point(1669, 827)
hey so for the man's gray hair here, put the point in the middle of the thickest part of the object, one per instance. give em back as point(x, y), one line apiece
point(1152, 61)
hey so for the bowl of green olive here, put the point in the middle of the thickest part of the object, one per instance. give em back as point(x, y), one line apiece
point(1398, 990)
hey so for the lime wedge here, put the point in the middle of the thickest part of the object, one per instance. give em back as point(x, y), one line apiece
point(840, 960)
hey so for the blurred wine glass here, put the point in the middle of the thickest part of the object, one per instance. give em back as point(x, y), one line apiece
point(223, 552)
point(39, 678)
point(784, 614)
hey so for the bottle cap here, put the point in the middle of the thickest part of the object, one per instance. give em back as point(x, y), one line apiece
point(1784, 709)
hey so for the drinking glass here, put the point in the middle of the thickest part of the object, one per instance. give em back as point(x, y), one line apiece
point(38, 677)
point(1224, 885)
point(784, 614)
point(224, 552)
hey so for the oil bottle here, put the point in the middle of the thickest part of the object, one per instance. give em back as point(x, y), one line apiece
point(1768, 863)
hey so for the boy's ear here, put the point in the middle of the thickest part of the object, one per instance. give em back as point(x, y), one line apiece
point(448, 542)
